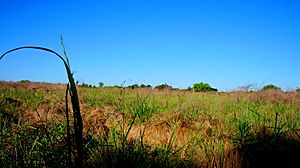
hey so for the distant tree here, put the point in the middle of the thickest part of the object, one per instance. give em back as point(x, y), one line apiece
point(84, 85)
point(189, 88)
point(297, 89)
point(133, 86)
point(25, 81)
point(270, 86)
point(145, 86)
point(87, 85)
point(101, 84)
point(117, 86)
point(203, 87)
point(163, 86)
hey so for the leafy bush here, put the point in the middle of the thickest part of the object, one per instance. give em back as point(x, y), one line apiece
point(145, 86)
point(203, 87)
point(87, 85)
point(139, 86)
point(101, 84)
point(26, 81)
point(270, 86)
point(297, 89)
point(116, 86)
point(133, 86)
point(163, 86)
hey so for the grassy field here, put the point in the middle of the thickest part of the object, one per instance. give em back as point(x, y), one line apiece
point(145, 127)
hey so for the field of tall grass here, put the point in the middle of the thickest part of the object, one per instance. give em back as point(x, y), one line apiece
point(146, 127)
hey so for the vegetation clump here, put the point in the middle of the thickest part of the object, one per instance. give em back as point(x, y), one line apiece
point(139, 86)
point(203, 87)
point(133, 86)
point(87, 85)
point(270, 86)
point(101, 84)
point(163, 86)
point(25, 81)
point(145, 86)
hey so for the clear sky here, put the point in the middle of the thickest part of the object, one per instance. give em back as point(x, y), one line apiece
point(179, 42)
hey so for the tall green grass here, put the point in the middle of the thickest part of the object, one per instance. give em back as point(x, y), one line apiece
point(78, 125)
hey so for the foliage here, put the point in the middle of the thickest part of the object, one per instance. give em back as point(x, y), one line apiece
point(116, 86)
point(25, 81)
point(163, 86)
point(87, 85)
point(270, 86)
point(133, 86)
point(297, 89)
point(243, 134)
point(145, 86)
point(101, 84)
point(203, 87)
point(139, 86)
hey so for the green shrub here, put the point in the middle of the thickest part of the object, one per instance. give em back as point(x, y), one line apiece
point(25, 81)
point(270, 86)
point(297, 89)
point(139, 86)
point(117, 86)
point(101, 84)
point(145, 86)
point(203, 87)
point(133, 86)
point(87, 85)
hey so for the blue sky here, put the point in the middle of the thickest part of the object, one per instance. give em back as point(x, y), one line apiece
point(224, 43)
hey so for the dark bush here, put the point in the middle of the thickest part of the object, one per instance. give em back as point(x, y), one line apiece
point(87, 85)
point(28, 81)
point(145, 86)
point(133, 86)
point(163, 86)
point(101, 84)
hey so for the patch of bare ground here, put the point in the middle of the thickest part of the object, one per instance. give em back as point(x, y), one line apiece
point(46, 114)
